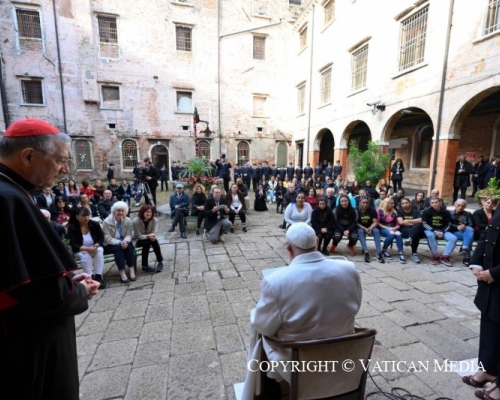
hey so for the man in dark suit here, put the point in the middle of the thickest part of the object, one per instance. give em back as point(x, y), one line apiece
point(274, 171)
point(478, 174)
point(247, 174)
point(151, 175)
point(308, 171)
point(264, 171)
point(236, 172)
point(282, 172)
point(255, 177)
point(298, 172)
point(318, 171)
point(175, 170)
point(290, 171)
point(328, 171)
point(215, 223)
point(337, 170)
point(461, 182)
point(179, 202)
point(224, 171)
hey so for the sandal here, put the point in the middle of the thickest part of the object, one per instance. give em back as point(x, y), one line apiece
point(469, 380)
point(481, 394)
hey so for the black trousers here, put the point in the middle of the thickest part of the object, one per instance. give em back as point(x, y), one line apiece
point(463, 190)
point(324, 238)
point(489, 346)
point(164, 181)
point(146, 244)
point(396, 185)
point(200, 216)
point(179, 219)
point(241, 213)
point(477, 186)
point(279, 202)
point(415, 232)
point(353, 237)
point(255, 183)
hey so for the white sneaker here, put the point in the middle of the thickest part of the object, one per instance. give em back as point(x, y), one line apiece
point(221, 239)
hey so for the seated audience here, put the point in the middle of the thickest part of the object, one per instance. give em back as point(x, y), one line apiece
point(355, 188)
point(437, 225)
point(398, 196)
point(368, 226)
point(59, 189)
point(198, 205)
point(271, 187)
point(299, 211)
point(260, 198)
point(72, 192)
point(85, 202)
point(88, 190)
point(113, 187)
point(279, 192)
point(118, 240)
point(236, 203)
point(319, 189)
point(322, 223)
point(411, 228)
point(57, 227)
point(179, 202)
point(215, 211)
point(389, 228)
point(371, 191)
point(312, 298)
point(45, 199)
point(244, 191)
point(351, 198)
point(381, 197)
point(125, 192)
point(99, 189)
point(145, 236)
point(105, 204)
point(60, 211)
point(481, 218)
point(86, 239)
point(382, 185)
point(331, 200)
point(418, 203)
point(434, 195)
point(345, 218)
point(312, 199)
point(462, 228)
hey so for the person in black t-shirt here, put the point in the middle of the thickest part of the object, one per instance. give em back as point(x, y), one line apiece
point(411, 228)
point(367, 226)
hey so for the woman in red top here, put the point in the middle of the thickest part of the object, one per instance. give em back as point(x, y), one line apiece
point(312, 199)
point(87, 189)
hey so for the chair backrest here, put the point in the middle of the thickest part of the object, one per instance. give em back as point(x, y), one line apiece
point(335, 378)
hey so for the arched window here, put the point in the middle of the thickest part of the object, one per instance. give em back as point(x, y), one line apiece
point(282, 154)
point(243, 153)
point(204, 149)
point(129, 154)
point(83, 154)
point(422, 147)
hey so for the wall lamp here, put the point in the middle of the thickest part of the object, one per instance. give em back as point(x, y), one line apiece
point(377, 106)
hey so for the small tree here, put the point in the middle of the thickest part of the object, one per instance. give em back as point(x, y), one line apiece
point(369, 164)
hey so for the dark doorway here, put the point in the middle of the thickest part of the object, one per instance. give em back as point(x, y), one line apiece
point(160, 157)
point(300, 154)
point(361, 135)
point(326, 148)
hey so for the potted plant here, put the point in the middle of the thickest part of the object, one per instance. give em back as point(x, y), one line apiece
point(491, 190)
point(198, 170)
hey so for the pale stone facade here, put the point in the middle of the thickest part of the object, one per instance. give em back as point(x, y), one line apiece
point(128, 84)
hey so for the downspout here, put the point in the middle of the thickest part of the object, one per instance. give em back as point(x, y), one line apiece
point(3, 97)
point(60, 68)
point(310, 87)
point(441, 94)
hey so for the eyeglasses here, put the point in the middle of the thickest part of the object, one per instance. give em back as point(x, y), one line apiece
point(59, 160)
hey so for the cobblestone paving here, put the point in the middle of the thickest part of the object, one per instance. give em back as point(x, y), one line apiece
point(182, 333)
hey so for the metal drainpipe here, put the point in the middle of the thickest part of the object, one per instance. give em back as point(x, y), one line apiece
point(441, 93)
point(310, 87)
point(218, 63)
point(3, 97)
point(60, 68)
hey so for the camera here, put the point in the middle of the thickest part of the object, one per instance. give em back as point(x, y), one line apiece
point(221, 207)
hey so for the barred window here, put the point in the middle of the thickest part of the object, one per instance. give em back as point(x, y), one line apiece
point(28, 24)
point(204, 149)
point(183, 38)
point(259, 106)
point(129, 154)
point(329, 7)
point(32, 91)
point(184, 102)
point(243, 153)
point(412, 39)
point(493, 17)
point(359, 66)
point(301, 99)
point(295, 2)
point(259, 48)
point(303, 37)
point(83, 154)
point(108, 31)
point(110, 96)
point(326, 80)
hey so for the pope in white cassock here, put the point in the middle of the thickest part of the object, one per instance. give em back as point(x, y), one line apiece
point(312, 298)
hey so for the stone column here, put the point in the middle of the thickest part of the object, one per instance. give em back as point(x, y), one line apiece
point(445, 167)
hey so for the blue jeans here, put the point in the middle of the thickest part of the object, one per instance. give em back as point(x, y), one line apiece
point(271, 195)
point(126, 197)
point(450, 238)
point(376, 237)
point(389, 238)
point(466, 236)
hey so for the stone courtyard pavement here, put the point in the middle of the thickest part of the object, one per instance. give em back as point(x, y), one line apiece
point(182, 333)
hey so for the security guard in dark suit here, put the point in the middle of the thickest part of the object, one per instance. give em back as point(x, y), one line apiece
point(318, 171)
point(264, 171)
point(282, 172)
point(298, 172)
point(247, 174)
point(290, 171)
point(308, 171)
point(255, 176)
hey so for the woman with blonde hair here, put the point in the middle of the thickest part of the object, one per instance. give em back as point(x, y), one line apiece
point(382, 185)
point(389, 228)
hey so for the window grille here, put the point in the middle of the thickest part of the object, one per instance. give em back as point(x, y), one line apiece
point(303, 37)
point(259, 48)
point(329, 8)
point(295, 2)
point(183, 38)
point(326, 79)
point(28, 24)
point(83, 155)
point(301, 97)
point(412, 39)
point(359, 66)
point(243, 153)
point(108, 32)
point(32, 92)
point(204, 149)
point(493, 17)
point(129, 154)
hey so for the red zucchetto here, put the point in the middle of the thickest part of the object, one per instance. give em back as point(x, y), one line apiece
point(30, 127)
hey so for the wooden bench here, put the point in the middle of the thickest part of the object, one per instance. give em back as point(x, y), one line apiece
point(111, 258)
point(424, 241)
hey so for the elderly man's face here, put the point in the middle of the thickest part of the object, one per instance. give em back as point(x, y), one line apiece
point(44, 168)
point(460, 206)
point(217, 194)
point(108, 194)
point(435, 193)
